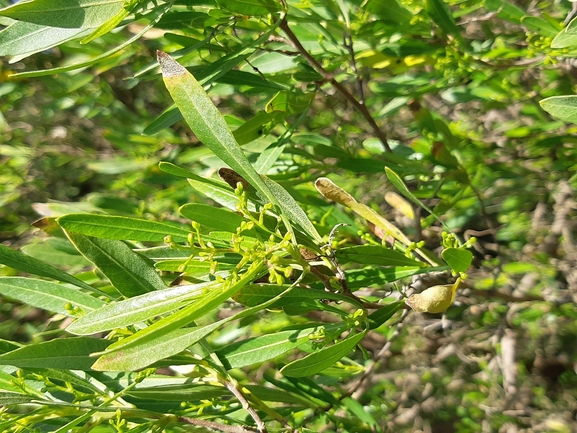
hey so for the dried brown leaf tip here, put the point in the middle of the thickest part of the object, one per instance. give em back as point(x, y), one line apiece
point(169, 66)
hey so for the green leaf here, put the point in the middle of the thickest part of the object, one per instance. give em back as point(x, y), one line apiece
point(62, 353)
point(333, 192)
point(324, 358)
point(206, 121)
point(166, 119)
point(209, 301)
point(73, 377)
point(212, 217)
point(291, 208)
point(561, 107)
point(441, 14)
point(64, 13)
point(121, 228)
point(24, 263)
point(250, 7)
point(380, 316)
point(375, 255)
point(157, 14)
point(220, 192)
point(571, 27)
point(56, 251)
point(389, 10)
point(158, 344)
point(398, 183)
point(367, 277)
point(243, 78)
point(258, 294)
point(110, 23)
point(254, 127)
point(210, 127)
point(184, 392)
point(47, 295)
point(22, 39)
point(267, 159)
point(505, 10)
point(290, 102)
point(540, 26)
point(129, 273)
point(564, 40)
point(137, 309)
point(260, 349)
point(220, 71)
point(7, 398)
point(310, 388)
point(356, 409)
point(151, 350)
point(458, 259)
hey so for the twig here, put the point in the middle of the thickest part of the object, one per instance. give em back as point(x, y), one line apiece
point(360, 107)
point(348, 41)
point(260, 425)
point(215, 425)
point(508, 364)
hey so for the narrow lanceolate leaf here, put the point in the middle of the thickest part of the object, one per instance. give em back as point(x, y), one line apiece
point(109, 24)
point(206, 121)
point(251, 7)
point(7, 398)
point(380, 316)
point(375, 277)
point(210, 127)
point(259, 294)
point(149, 351)
point(24, 263)
point(156, 16)
point(209, 301)
point(47, 295)
point(22, 39)
point(333, 192)
point(260, 349)
point(129, 273)
point(396, 180)
point(164, 339)
point(64, 13)
point(322, 359)
point(375, 255)
point(292, 209)
point(441, 14)
point(137, 309)
point(62, 353)
point(121, 228)
point(389, 10)
point(212, 217)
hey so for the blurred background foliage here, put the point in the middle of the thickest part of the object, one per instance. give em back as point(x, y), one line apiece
point(458, 100)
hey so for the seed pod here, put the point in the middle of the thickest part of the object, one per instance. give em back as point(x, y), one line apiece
point(435, 299)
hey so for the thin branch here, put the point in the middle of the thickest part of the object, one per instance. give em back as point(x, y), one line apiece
point(260, 425)
point(360, 107)
point(348, 41)
point(215, 425)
